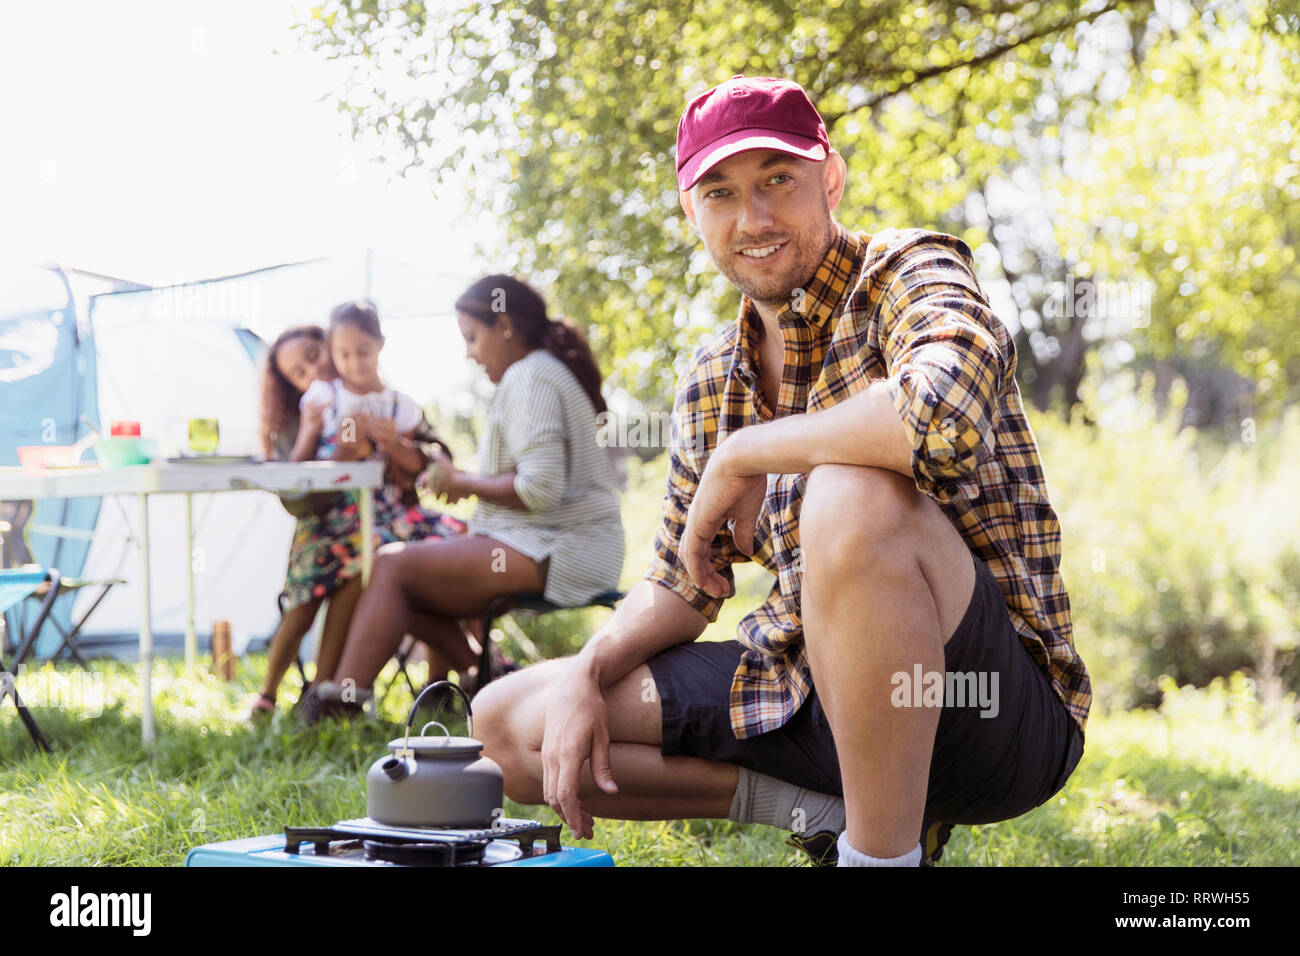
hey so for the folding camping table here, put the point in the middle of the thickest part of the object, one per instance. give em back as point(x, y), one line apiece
point(190, 478)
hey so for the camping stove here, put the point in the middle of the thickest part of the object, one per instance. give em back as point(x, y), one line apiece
point(364, 842)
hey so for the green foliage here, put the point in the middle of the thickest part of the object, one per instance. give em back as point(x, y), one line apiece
point(1177, 552)
point(573, 106)
point(1193, 185)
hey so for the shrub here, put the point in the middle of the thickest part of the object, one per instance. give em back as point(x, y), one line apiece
point(1179, 549)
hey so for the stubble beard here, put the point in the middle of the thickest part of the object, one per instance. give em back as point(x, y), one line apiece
point(777, 290)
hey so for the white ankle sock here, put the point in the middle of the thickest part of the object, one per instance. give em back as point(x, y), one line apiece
point(851, 857)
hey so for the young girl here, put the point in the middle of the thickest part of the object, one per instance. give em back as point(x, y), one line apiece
point(362, 418)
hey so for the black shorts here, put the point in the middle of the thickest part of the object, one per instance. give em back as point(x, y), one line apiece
point(982, 770)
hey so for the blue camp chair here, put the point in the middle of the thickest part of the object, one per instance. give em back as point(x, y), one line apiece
point(17, 584)
point(16, 551)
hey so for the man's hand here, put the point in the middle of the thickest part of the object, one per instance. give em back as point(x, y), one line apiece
point(724, 491)
point(577, 728)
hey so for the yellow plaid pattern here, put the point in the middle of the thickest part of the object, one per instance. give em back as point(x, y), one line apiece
point(906, 306)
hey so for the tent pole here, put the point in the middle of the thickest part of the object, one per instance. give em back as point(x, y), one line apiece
point(146, 627)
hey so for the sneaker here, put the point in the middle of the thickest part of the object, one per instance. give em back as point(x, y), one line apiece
point(822, 847)
point(296, 709)
point(337, 710)
point(502, 663)
point(934, 836)
point(329, 702)
point(309, 708)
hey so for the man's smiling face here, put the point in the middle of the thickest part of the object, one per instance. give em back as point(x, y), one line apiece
point(765, 217)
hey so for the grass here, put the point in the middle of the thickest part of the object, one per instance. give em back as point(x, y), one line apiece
point(1212, 778)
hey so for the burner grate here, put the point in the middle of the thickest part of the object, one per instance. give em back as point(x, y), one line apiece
point(414, 846)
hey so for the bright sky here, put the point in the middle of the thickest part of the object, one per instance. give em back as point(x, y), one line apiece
point(167, 141)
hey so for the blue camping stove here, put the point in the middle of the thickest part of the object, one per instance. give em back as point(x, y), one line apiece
point(364, 842)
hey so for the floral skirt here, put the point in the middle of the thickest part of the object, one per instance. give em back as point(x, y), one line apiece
point(326, 551)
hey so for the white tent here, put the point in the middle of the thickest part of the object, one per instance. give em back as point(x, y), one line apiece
point(167, 355)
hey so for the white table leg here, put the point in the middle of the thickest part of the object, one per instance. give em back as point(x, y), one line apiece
point(146, 627)
point(367, 497)
point(191, 638)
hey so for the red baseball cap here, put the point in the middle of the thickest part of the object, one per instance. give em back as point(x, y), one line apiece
point(747, 112)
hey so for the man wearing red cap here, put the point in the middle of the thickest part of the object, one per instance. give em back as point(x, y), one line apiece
point(859, 432)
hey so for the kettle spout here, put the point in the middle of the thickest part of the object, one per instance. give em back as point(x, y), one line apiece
point(395, 768)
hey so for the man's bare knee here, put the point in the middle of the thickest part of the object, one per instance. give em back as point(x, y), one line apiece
point(505, 706)
point(896, 532)
point(508, 717)
point(882, 504)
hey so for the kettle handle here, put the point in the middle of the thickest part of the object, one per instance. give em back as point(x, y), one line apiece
point(415, 707)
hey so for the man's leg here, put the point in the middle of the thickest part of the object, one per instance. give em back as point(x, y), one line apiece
point(881, 594)
point(510, 717)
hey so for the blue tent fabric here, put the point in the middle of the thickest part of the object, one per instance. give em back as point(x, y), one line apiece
point(252, 344)
point(48, 381)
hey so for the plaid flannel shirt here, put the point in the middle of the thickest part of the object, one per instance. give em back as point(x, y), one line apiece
point(904, 306)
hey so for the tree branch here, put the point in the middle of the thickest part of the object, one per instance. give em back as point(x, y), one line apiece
point(929, 73)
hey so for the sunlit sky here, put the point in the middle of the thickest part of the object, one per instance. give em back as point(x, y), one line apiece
point(181, 140)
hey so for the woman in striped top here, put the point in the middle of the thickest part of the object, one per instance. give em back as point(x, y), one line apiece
point(548, 506)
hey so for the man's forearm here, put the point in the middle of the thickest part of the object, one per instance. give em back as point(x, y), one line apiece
point(863, 430)
point(650, 619)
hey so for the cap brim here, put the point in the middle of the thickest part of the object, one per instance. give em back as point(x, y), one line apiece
point(741, 141)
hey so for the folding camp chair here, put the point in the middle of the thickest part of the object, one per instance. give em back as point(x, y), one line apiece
point(18, 584)
point(532, 604)
point(14, 551)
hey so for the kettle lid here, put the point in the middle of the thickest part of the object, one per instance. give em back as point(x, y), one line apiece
point(437, 746)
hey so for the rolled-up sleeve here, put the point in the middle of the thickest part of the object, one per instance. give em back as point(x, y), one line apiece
point(666, 568)
point(948, 357)
point(536, 438)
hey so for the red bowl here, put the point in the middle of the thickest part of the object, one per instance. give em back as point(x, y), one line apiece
point(124, 429)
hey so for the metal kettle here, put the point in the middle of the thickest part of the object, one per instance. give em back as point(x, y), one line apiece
point(435, 781)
